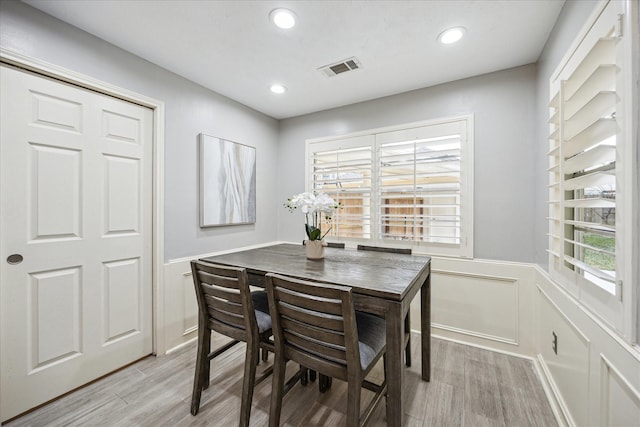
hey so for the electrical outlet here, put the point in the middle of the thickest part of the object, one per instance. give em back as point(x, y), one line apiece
point(554, 343)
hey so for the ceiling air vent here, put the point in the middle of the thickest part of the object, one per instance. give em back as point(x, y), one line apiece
point(343, 66)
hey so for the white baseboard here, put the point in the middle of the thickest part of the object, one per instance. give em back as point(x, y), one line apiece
point(181, 346)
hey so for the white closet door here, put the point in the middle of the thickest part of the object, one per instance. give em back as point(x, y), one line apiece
point(75, 236)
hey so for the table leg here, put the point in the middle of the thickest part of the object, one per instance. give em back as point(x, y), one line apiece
point(425, 327)
point(395, 342)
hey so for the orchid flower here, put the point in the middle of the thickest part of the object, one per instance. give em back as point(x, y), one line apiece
point(313, 206)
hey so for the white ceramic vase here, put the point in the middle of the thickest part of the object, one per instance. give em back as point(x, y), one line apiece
point(315, 249)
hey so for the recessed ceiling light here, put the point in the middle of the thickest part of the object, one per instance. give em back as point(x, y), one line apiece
point(278, 88)
point(451, 35)
point(283, 18)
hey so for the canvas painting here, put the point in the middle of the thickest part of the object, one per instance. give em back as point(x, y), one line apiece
point(227, 182)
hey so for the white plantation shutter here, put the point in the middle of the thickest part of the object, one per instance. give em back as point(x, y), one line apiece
point(403, 186)
point(343, 169)
point(593, 167)
point(419, 183)
point(583, 160)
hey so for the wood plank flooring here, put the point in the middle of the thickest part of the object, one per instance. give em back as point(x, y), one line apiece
point(469, 387)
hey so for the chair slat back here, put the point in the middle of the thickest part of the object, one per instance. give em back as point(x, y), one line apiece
point(224, 299)
point(335, 245)
point(318, 304)
point(314, 324)
point(405, 251)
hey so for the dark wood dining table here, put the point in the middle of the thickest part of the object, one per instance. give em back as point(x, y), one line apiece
point(382, 283)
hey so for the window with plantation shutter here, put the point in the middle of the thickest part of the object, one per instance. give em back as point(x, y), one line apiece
point(419, 183)
point(343, 170)
point(589, 118)
point(588, 165)
point(403, 186)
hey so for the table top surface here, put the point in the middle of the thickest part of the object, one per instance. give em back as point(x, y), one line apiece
point(378, 274)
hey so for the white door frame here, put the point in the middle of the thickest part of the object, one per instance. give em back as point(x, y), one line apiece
point(59, 73)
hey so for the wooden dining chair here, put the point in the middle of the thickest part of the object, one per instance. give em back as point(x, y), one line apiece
point(324, 382)
point(407, 318)
point(335, 245)
point(317, 326)
point(329, 244)
point(226, 305)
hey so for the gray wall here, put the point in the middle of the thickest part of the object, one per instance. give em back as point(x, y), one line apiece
point(503, 104)
point(510, 135)
point(573, 16)
point(190, 110)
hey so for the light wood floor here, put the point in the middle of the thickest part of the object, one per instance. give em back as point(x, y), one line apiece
point(469, 387)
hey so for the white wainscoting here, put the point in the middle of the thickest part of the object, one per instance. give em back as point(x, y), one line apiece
point(620, 400)
point(181, 308)
point(459, 303)
point(513, 308)
point(484, 303)
point(595, 377)
point(569, 368)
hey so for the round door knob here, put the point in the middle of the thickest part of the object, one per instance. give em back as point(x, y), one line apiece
point(14, 259)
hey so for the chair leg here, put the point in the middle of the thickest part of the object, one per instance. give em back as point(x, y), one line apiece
point(201, 376)
point(304, 376)
point(277, 390)
point(265, 355)
point(354, 389)
point(384, 372)
point(324, 383)
point(251, 360)
point(207, 366)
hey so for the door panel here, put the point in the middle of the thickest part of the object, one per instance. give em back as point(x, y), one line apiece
point(55, 190)
point(122, 292)
point(122, 199)
point(54, 316)
point(76, 200)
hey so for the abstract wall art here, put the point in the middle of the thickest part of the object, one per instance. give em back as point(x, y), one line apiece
point(227, 182)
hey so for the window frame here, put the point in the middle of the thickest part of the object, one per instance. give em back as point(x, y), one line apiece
point(465, 248)
point(618, 311)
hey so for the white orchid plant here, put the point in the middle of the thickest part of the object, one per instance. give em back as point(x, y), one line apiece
point(313, 206)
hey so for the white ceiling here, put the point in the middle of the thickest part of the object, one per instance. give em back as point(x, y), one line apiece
point(232, 48)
